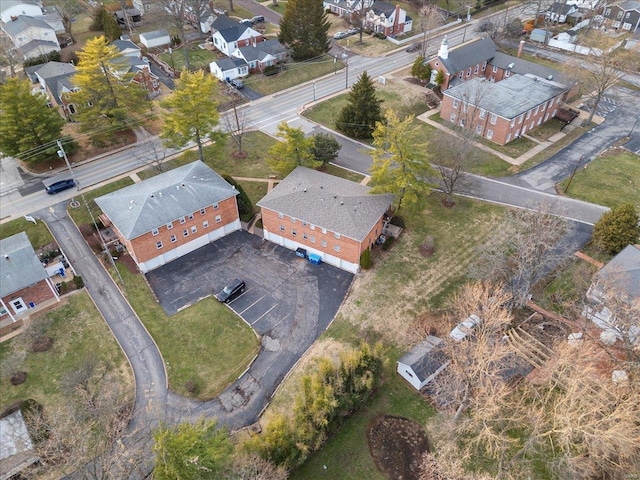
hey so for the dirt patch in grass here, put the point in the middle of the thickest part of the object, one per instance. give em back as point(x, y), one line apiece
point(397, 445)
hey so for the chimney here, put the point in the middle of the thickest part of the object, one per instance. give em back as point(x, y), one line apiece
point(444, 49)
point(520, 48)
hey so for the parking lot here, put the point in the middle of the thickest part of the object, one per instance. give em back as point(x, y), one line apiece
point(285, 295)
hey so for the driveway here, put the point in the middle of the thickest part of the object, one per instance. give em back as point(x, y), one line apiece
point(288, 301)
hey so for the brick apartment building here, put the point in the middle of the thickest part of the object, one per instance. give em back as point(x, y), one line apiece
point(503, 111)
point(480, 58)
point(24, 282)
point(174, 213)
point(326, 215)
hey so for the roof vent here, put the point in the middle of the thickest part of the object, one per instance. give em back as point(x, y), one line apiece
point(335, 196)
point(183, 184)
point(305, 190)
point(550, 77)
point(341, 202)
point(511, 65)
point(152, 195)
point(7, 257)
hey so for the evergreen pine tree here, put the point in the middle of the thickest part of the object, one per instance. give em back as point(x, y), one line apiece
point(617, 228)
point(304, 27)
point(26, 122)
point(358, 118)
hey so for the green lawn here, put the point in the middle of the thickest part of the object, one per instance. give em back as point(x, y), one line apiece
point(343, 173)
point(81, 215)
point(609, 180)
point(198, 58)
point(206, 344)
point(38, 234)
point(79, 333)
point(547, 129)
point(294, 74)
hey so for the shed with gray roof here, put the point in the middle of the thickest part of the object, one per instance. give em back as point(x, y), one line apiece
point(423, 362)
point(139, 208)
point(621, 273)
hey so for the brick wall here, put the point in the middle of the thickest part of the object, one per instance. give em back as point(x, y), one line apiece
point(37, 294)
point(314, 237)
point(478, 70)
point(144, 247)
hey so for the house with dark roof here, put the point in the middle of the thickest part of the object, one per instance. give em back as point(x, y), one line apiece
point(169, 215)
point(559, 12)
point(264, 54)
point(12, 9)
point(380, 17)
point(331, 217)
point(140, 72)
point(624, 16)
point(229, 35)
point(422, 363)
point(24, 282)
point(54, 79)
point(228, 68)
point(617, 282)
point(32, 35)
point(502, 111)
point(127, 48)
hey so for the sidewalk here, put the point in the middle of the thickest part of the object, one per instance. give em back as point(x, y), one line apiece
point(541, 145)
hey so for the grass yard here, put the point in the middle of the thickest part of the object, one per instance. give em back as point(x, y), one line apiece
point(79, 333)
point(198, 58)
point(343, 173)
point(547, 129)
point(80, 215)
point(295, 74)
point(609, 180)
point(38, 234)
point(206, 344)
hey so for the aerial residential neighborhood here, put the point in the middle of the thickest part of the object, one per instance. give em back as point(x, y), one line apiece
point(319, 239)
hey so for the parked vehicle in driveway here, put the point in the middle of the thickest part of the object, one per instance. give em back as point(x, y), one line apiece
point(465, 327)
point(257, 19)
point(339, 35)
point(231, 291)
point(60, 186)
point(246, 21)
point(236, 83)
point(353, 31)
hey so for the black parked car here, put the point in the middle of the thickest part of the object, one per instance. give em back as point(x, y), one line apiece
point(231, 291)
point(60, 186)
point(414, 47)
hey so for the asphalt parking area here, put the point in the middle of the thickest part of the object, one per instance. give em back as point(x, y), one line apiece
point(283, 292)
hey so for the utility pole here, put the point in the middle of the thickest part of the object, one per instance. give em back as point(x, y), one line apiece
point(464, 32)
point(63, 154)
point(345, 59)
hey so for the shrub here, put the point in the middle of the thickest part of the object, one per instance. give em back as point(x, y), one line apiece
point(617, 228)
point(78, 282)
point(365, 259)
point(398, 221)
point(18, 378)
point(40, 59)
point(379, 35)
point(271, 70)
point(245, 207)
point(387, 243)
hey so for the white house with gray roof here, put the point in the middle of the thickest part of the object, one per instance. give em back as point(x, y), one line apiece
point(24, 282)
point(423, 362)
point(169, 215)
point(262, 55)
point(32, 35)
point(502, 111)
point(55, 80)
point(11, 9)
point(228, 68)
point(332, 217)
point(229, 35)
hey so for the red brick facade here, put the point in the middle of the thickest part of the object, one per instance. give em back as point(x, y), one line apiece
point(37, 293)
point(146, 247)
point(317, 238)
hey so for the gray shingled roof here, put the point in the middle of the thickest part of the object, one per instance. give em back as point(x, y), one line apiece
point(155, 34)
point(22, 23)
point(379, 7)
point(123, 45)
point(628, 5)
point(523, 67)
point(56, 75)
point(37, 43)
point(326, 201)
point(623, 271)
point(261, 50)
point(425, 358)
point(560, 8)
point(139, 208)
point(465, 56)
point(229, 29)
point(19, 264)
point(229, 63)
point(509, 98)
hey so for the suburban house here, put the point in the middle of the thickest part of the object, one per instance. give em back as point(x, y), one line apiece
point(17, 451)
point(128, 16)
point(12, 9)
point(623, 16)
point(422, 363)
point(54, 79)
point(502, 111)
point(380, 17)
point(480, 58)
point(142, 75)
point(169, 215)
point(558, 12)
point(155, 39)
point(229, 68)
point(229, 35)
point(619, 278)
point(33, 36)
point(24, 282)
point(127, 48)
point(331, 217)
point(264, 54)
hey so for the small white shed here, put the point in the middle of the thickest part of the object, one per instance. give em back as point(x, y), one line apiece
point(157, 38)
point(421, 365)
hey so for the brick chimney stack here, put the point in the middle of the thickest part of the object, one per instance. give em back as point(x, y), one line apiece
point(520, 48)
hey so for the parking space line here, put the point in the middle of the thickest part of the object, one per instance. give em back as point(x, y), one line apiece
point(258, 319)
point(252, 304)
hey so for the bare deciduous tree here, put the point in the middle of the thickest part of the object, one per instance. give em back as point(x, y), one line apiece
point(527, 247)
point(177, 10)
point(430, 18)
point(253, 467)
point(196, 11)
point(152, 153)
point(236, 122)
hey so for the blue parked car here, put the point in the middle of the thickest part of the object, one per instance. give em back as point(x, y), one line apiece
point(60, 186)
